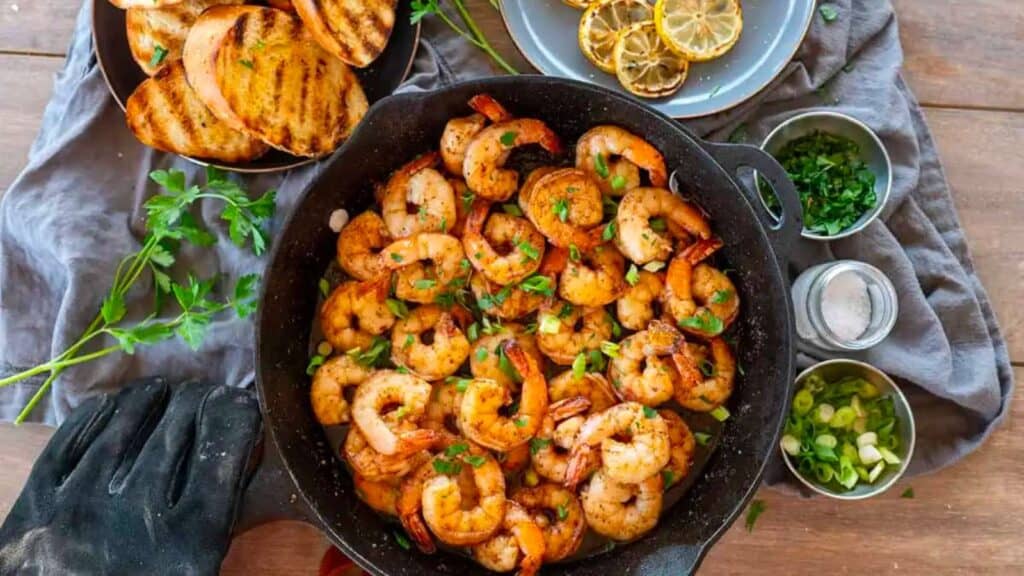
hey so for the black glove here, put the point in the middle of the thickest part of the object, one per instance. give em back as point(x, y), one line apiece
point(143, 482)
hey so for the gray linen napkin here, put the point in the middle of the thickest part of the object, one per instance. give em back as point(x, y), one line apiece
point(75, 211)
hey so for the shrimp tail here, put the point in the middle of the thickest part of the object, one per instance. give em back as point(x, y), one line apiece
point(489, 107)
point(477, 216)
point(416, 440)
point(578, 465)
point(568, 407)
point(531, 542)
point(417, 529)
point(555, 260)
point(525, 364)
point(427, 160)
point(700, 250)
point(551, 142)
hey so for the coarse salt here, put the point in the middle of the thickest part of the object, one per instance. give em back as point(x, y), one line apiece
point(846, 305)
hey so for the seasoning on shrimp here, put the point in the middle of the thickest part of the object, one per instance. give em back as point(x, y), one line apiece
point(613, 156)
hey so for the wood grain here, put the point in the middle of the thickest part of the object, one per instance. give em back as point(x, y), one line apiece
point(37, 26)
point(964, 54)
point(21, 109)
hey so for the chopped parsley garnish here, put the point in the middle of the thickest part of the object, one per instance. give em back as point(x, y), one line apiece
point(481, 353)
point(908, 493)
point(566, 310)
point(402, 540)
point(520, 422)
point(658, 224)
point(610, 349)
point(396, 257)
point(528, 250)
point(467, 200)
point(702, 438)
point(704, 322)
point(508, 139)
point(649, 412)
point(721, 296)
point(474, 460)
point(447, 467)
point(247, 63)
point(828, 12)
point(753, 513)
point(563, 512)
point(325, 287)
point(538, 444)
point(668, 477)
point(473, 332)
point(836, 187)
point(314, 363)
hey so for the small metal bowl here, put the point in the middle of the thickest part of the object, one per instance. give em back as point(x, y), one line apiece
point(872, 151)
point(832, 370)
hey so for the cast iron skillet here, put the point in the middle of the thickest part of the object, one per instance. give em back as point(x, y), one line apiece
point(403, 126)
point(123, 75)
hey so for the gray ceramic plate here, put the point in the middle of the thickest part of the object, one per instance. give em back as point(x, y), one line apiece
point(545, 32)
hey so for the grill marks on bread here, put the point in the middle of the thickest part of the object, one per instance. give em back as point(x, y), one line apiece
point(165, 113)
point(356, 31)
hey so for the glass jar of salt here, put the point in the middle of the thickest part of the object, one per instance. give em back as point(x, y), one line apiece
point(844, 305)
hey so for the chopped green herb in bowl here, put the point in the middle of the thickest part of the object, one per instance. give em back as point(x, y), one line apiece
point(839, 168)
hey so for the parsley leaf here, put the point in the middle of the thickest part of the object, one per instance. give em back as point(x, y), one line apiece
point(599, 165)
point(632, 275)
point(159, 53)
point(508, 139)
point(753, 513)
point(828, 12)
point(561, 209)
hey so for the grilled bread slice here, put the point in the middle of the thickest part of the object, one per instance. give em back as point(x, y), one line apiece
point(260, 71)
point(156, 35)
point(165, 113)
point(354, 30)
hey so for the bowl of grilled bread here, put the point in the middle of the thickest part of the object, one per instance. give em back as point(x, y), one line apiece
point(246, 86)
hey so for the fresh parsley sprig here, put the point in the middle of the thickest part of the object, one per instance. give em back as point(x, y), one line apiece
point(471, 32)
point(168, 224)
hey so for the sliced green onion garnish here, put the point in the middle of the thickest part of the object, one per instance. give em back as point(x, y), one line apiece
point(720, 413)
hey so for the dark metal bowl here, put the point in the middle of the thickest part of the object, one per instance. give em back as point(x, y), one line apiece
point(403, 126)
point(123, 75)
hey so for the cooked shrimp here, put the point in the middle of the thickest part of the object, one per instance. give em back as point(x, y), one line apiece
point(518, 542)
point(410, 501)
point(644, 454)
point(549, 458)
point(622, 511)
point(705, 383)
point(384, 389)
point(702, 299)
point(374, 466)
point(565, 205)
point(531, 180)
point(480, 418)
point(416, 281)
point(443, 502)
point(491, 365)
point(359, 246)
point(605, 152)
point(463, 204)
point(417, 199)
point(506, 250)
point(558, 513)
point(329, 382)
point(506, 302)
point(594, 387)
point(447, 350)
point(459, 132)
point(635, 309)
point(355, 312)
point(634, 235)
point(486, 154)
point(381, 495)
point(642, 370)
point(576, 330)
point(597, 278)
point(683, 445)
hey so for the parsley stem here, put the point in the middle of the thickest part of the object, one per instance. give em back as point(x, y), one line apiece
point(36, 398)
point(482, 42)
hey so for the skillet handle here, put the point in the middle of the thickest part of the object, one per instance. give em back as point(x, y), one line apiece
point(784, 231)
point(270, 495)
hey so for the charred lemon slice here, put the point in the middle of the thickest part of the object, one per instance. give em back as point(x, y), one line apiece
point(644, 65)
point(601, 23)
point(699, 30)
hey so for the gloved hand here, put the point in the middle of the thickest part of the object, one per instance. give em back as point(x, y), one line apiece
point(143, 482)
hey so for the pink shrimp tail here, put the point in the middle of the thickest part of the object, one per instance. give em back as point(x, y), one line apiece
point(419, 533)
point(489, 107)
point(568, 407)
point(416, 440)
point(577, 467)
point(700, 250)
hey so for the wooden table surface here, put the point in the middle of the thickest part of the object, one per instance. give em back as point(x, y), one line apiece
point(965, 67)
